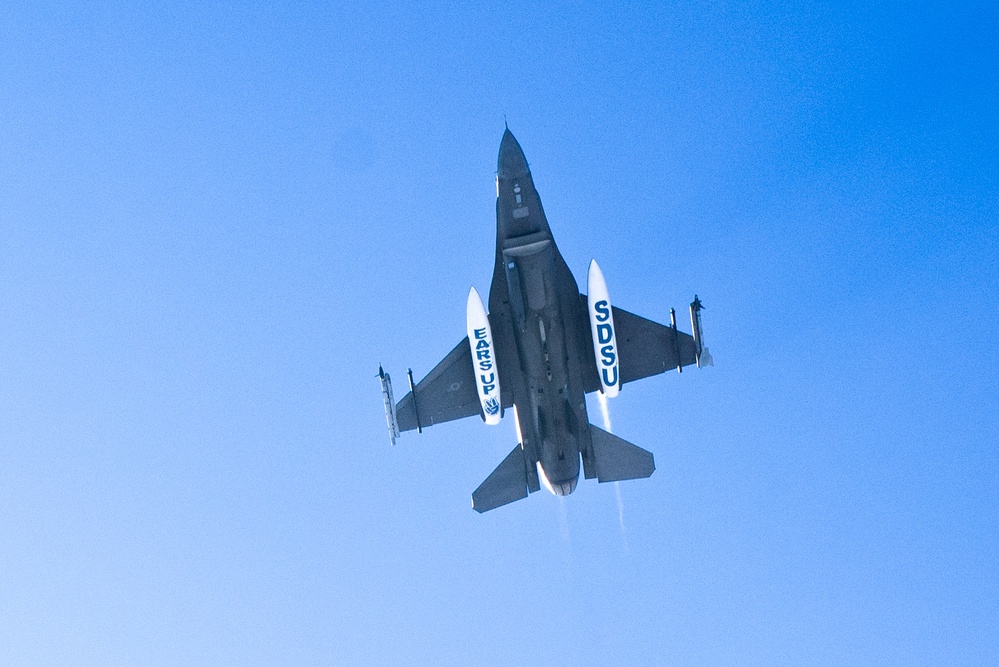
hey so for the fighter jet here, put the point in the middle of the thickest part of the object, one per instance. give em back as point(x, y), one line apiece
point(540, 349)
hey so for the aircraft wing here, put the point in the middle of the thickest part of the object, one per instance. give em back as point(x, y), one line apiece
point(644, 347)
point(447, 393)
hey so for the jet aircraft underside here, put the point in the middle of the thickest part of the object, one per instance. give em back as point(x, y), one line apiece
point(542, 347)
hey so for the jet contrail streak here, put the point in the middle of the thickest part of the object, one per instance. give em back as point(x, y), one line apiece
point(620, 506)
point(566, 534)
point(605, 411)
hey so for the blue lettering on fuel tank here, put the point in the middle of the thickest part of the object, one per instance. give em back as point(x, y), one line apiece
point(603, 312)
point(608, 357)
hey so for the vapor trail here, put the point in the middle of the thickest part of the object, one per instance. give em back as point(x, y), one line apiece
point(620, 506)
point(605, 411)
point(563, 522)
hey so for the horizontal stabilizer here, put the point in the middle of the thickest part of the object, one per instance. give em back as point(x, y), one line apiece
point(617, 460)
point(506, 484)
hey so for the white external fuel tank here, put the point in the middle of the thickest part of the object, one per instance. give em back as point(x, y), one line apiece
point(480, 343)
point(602, 328)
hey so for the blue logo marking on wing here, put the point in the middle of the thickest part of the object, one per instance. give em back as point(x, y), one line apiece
point(491, 406)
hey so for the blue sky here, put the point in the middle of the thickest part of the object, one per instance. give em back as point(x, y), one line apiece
point(216, 220)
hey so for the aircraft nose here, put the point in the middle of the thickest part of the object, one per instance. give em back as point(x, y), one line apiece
point(511, 162)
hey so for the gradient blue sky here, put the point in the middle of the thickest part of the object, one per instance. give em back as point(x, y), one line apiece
point(216, 219)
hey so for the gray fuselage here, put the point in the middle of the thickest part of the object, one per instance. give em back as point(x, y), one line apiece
point(534, 297)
